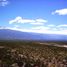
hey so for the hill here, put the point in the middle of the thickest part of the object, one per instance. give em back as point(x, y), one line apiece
point(6, 34)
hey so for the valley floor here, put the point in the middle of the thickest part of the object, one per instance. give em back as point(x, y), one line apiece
point(32, 54)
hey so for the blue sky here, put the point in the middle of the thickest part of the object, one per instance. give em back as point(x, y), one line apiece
point(40, 16)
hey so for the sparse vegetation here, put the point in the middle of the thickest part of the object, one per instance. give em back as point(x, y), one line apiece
point(30, 52)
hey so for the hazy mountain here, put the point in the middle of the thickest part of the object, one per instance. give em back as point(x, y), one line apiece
point(6, 34)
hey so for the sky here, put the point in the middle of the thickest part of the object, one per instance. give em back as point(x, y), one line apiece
point(39, 16)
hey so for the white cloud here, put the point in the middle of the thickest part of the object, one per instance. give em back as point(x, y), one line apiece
point(40, 20)
point(1, 27)
point(17, 26)
point(43, 31)
point(4, 2)
point(60, 12)
point(31, 21)
point(39, 29)
point(51, 25)
point(20, 20)
point(37, 23)
point(64, 25)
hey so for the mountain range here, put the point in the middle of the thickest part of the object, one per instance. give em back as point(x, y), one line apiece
point(7, 34)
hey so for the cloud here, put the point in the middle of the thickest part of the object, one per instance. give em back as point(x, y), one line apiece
point(42, 31)
point(1, 27)
point(38, 29)
point(40, 20)
point(37, 23)
point(4, 2)
point(51, 25)
point(20, 20)
point(60, 12)
point(64, 25)
point(31, 21)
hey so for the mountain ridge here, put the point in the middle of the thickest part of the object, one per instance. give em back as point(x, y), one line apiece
point(7, 34)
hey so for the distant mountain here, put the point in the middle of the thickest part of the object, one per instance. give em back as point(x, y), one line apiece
point(6, 34)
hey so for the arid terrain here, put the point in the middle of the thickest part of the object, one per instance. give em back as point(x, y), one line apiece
point(32, 54)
